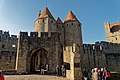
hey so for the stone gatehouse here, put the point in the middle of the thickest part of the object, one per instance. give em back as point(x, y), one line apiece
point(34, 51)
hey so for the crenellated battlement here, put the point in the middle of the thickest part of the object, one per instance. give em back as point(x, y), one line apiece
point(34, 34)
point(43, 36)
point(23, 35)
point(107, 47)
point(8, 50)
point(5, 36)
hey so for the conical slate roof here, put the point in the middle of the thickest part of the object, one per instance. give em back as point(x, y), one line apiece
point(59, 21)
point(46, 13)
point(71, 17)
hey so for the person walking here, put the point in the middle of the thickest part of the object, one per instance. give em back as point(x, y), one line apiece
point(85, 74)
point(1, 76)
point(42, 69)
point(63, 70)
point(102, 74)
point(107, 74)
point(57, 70)
point(47, 68)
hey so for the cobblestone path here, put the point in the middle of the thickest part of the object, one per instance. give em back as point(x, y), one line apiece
point(33, 77)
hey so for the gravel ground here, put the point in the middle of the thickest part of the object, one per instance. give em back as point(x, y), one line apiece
point(33, 77)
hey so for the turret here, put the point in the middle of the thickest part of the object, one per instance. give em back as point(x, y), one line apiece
point(112, 32)
point(45, 22)
point(73, 33)
point(107, 28)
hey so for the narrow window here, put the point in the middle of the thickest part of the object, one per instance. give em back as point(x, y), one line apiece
point(67, 24)
point(72, 24)
point(43, 21)
point(52, 21)
point(116, 38)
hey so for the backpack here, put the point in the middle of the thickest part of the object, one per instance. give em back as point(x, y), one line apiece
point(107, 74)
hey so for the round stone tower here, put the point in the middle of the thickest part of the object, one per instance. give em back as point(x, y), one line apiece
point(112, 32)
point(73, 33)
point(45, 22)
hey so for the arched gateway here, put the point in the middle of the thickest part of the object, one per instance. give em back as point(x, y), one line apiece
point(38, 59)
point(34, 51)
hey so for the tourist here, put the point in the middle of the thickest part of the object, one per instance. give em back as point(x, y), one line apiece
point(102, 74)
point(63, 71)
point(57, 70)
point(42, 69)
point(94, 74)
point(107, 74)
point(85, 74)
point(47, 68)
point(99, 75)
point(1, 76)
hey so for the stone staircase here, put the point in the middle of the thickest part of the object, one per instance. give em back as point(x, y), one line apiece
point(33, 77)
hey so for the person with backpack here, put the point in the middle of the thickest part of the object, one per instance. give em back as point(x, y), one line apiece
point(107, 74)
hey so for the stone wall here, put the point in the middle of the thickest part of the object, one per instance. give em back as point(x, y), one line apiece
point(61, 30)
point(8, 49)
point(101, 54)
point(92, 56)
point(112, 54)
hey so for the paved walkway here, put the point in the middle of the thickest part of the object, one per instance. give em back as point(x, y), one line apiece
point(33, 77)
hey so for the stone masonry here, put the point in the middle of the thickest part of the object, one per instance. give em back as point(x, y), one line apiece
point(8, 49)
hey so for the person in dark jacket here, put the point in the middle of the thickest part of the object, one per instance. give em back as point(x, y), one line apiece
point(57, 70)
point(85, 74)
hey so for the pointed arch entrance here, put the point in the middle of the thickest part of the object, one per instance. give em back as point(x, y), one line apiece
point(38, 58)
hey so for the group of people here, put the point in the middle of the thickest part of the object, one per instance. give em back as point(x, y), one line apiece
point(60, 71)
point(97, 74)
point(44, 69)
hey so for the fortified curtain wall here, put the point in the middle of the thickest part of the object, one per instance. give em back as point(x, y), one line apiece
point(8, 50)
point(101, 54)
